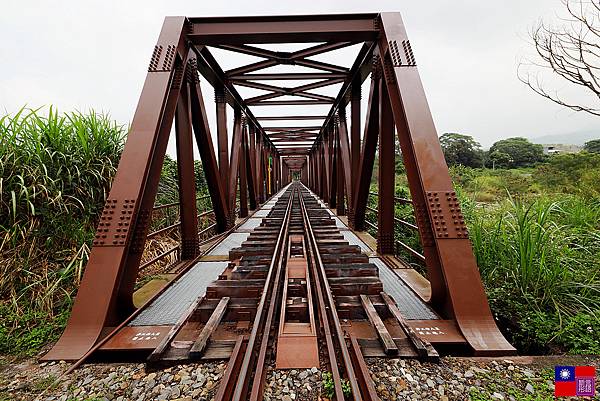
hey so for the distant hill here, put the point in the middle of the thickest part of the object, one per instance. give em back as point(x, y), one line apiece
point(574, 138)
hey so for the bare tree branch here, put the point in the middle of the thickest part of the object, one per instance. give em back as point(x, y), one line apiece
point(571, 52)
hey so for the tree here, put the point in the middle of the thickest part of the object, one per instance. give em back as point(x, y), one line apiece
point(520, 152)
point(592, 146)
point(500, 159)
point(570, 52)
point(461, 149)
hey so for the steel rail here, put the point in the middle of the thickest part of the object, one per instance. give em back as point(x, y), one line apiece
point(258, 326)
point(164, 205)
point(326, 289)
point(411, 251)
point(396, 219)
point(396, 198)
point(159, 257)
point(333, 364)
point(259, 374)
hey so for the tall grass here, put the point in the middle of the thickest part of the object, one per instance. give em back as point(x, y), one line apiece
point(55, 173)
point(540, 257)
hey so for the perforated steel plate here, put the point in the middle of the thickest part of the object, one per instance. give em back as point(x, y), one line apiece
point(171, 304)
point(409, 303)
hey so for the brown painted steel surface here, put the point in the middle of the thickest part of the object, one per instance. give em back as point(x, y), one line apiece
point(297, 346)
point(332, 164)
point(107, 286)
point(136, 337)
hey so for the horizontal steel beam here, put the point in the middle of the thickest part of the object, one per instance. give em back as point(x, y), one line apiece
point(286, 76)
point(282, 29)
point(291, 102)
point(309, 128)
point(289, 118)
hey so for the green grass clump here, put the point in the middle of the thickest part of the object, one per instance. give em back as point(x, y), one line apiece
point(538, 260)
point(55, 173)
point(536, 236)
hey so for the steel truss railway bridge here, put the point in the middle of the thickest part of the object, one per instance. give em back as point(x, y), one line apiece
point(285, 274)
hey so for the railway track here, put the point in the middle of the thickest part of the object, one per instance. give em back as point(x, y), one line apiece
point(295, 294)
point(310, 281)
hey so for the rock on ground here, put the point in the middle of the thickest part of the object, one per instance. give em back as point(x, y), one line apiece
point(476, 379)
point(117, 382)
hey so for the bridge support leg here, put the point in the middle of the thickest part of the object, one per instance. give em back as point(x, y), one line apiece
point(354, 156)
point(363, 180)
point(455, 281)
point(187, 182)
point(105, 294)
point(207, 154)
point(340, 179)
point(385, 215)
point(234, 165)
point(251, 148)
point(244, 175)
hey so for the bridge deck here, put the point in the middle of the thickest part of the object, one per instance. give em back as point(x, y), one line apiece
point(177, 298)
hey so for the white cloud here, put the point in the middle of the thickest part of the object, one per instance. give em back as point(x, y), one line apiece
point(94, 54)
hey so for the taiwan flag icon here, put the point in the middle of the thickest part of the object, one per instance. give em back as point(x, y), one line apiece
point(570, 381)
point(564, 381)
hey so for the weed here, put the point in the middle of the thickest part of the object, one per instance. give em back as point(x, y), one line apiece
point(329, 386)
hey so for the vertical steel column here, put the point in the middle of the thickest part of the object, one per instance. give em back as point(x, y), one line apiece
point(326, 166)
point(222, 140)
point(243, 173)
point(187, 182)
point(207, 153)
point(346, 164)
point(369, 146)
point(268, 171)
point(332, 162)
point(104, 297)
point(341, 204)
point(260, 167)
point(456, 285)
point(254, 201)
point(354, 135)
point(320, 170)
point(236, 148)
point(385, 216)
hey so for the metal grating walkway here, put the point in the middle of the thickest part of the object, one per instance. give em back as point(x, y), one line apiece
point(168, 307)
point(409, 303)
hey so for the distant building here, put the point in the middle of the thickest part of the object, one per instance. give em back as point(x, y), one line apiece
point(560, 148)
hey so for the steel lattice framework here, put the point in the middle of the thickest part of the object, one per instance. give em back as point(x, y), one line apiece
point(327, 151)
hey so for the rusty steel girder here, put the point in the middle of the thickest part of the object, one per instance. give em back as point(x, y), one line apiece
point(325, 151)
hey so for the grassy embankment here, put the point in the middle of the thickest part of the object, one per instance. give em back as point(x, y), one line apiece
point(536, 236)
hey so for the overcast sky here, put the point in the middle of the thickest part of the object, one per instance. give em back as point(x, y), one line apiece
point(94, 54)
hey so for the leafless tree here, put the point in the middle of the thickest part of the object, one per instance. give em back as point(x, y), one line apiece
point(570, 51)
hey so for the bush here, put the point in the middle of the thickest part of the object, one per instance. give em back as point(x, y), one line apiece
point(577, 173)
point(55, 173)
point(539, 266)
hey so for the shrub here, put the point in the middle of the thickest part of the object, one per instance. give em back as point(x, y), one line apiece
point(539, 266)
point(55, 173)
